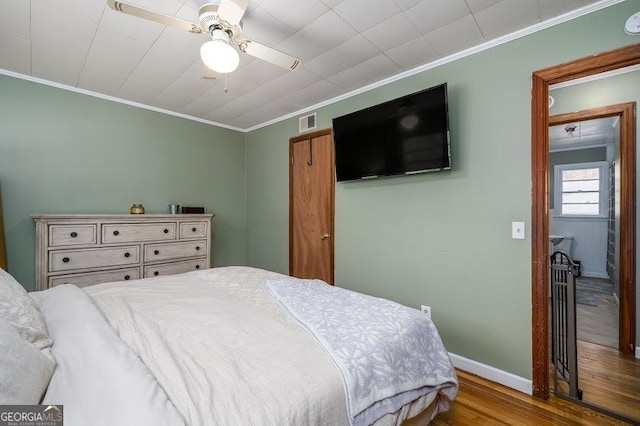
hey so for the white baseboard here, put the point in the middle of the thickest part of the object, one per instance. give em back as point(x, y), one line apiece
point(590, 274)
point(495, 375)
point(637, 351)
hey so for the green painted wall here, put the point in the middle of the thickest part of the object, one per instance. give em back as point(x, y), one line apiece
point(608, 91)
point(63, 152)
point(442, 239)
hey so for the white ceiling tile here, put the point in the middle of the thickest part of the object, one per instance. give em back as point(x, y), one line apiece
point(141, 88)
point(156, 68)
point(188, 13)
point(241, 105)
point(185, 88)
point(429, 15)
point(331, 3)
point(551, 8)
point(383, 39)
point(234, 108)
point(111, 60)
point(131, 26)
point(455, 37)
point(295, 15)
point(362, 15)
point(374, 69)
point(102, 80)
point(258, 25)
point(412, 54)
point(15, 18)
point(300, 46)
point(478, 5)
point(255, 74)
point(58, 28)
point(207, 102)
point(317, 92)
point(267, 112)
point(60, 43)
point(507, 15)
point(406, 4)
point(61, 63)
point(144, 61)
point(293, 81)
point(325, 65)
point(15, 54)
point(89, 10)
point(355, 51)
point(328, 31)
point(180, 45)
point(168, 7)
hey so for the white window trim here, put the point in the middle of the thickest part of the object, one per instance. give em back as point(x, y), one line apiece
point(604, 188)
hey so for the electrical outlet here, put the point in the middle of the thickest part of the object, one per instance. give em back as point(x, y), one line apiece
point(426, 310)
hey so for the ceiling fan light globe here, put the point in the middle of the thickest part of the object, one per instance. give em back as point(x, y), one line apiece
point(219, 56)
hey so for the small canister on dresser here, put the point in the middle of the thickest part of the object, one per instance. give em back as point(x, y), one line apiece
point(137, 209)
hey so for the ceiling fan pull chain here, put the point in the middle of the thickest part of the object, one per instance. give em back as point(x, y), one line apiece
point(226, 90)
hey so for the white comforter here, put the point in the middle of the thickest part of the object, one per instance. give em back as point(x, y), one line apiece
point(204, 348)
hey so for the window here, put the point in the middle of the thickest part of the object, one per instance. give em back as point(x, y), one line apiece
point(580, 189)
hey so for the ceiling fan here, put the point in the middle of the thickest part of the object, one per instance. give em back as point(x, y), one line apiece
point(220, 20)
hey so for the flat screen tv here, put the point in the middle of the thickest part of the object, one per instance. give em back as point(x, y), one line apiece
point(407, 135)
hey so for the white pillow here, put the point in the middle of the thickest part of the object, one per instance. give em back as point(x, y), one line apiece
point(21, 311)
point(24, 370)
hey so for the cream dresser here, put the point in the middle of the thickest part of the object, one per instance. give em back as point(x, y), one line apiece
point(91, 249)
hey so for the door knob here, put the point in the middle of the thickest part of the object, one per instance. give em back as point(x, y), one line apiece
point(324, 236)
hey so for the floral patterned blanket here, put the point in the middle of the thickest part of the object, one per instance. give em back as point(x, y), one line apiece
point(388, 354)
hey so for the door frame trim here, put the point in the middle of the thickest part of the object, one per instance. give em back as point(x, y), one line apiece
point(299, 138)
point(541, 80)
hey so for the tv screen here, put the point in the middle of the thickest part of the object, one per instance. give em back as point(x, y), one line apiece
point(404, 136)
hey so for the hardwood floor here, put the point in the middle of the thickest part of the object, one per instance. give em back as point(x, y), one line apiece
point(481, 402)
point(609, 379)
point(598, 322)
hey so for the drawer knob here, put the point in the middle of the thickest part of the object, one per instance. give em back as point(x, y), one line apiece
point(127, 277)
point(193, 229)
point(66, 259)
point(156, 252)
point(197, 266)
point(166, 231)
point(116, 233)
point(197, 248)
point(74, 234)
point(127, 254)
point(156, 273)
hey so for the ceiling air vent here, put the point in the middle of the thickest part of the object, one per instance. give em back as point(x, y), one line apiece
point(307, 122)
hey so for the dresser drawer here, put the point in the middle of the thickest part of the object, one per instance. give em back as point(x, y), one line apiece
point(193, 229)
point(130, 232)
point(83, 280)
point(167, 251)
point(71, 235)
point(174, 268)
point(66, 260)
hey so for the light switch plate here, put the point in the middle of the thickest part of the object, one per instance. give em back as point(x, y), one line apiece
point(517, 230)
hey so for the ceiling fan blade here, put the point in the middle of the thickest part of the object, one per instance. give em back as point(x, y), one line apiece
point(232, 10)
point(208, 73)
point(270, 55)
point(139, 12)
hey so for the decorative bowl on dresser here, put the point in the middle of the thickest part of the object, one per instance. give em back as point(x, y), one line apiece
point(85, 249)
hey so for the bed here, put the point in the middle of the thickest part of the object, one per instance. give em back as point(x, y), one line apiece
point(222, 346)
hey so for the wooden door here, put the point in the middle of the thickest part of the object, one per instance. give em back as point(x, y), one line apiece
point(311, 201)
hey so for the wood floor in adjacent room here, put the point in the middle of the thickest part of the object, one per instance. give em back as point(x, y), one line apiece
point(609, 378)
point(481, 402)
